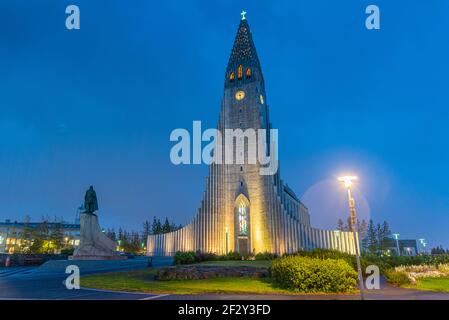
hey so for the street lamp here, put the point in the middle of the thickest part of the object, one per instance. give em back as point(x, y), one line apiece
point(348, 181)
point(396, 237)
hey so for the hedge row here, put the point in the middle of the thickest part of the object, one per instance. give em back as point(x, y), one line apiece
point(195, 257)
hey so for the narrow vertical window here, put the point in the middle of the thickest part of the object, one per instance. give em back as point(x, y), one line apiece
point(248, 73)
point(231, 76)
point(240, 72)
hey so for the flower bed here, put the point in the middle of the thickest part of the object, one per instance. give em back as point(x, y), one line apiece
point(415, 272)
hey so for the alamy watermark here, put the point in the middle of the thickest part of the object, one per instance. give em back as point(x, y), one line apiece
point(236, 146)
point(72, 22)
point(372, 281)
point(73, 280)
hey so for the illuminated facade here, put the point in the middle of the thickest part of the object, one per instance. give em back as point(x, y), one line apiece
point(243, 210)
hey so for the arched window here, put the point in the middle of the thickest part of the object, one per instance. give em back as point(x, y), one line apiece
point(232, 76)
point(243, 219)
point(240, 72)
point(248, 73)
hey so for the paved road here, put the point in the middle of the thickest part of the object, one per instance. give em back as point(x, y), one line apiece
point(387, 293)
point(35, 283)
point(26, 283)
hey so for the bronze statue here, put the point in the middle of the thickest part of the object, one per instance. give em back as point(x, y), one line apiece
point(90, 201)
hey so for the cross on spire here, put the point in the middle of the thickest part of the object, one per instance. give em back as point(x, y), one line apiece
point(243, 14)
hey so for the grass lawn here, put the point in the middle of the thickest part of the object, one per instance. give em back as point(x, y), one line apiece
point(142, 281)
point(432, 284)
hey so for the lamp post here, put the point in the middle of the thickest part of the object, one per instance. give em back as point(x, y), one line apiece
point(347, 180)
point(396, 237)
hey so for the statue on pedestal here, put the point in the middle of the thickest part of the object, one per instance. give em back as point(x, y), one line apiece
point(94, 244)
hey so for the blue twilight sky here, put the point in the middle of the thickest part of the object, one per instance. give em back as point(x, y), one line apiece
point(96, 106)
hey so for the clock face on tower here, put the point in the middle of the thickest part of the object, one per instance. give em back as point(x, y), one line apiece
point(240, 95)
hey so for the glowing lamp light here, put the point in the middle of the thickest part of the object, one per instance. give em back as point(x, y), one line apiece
point(347, 180)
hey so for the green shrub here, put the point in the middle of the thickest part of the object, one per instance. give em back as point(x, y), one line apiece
point(233, 255)
point(188, 257)
point(266, 256)
point(368, 260)
point(309, 275)
point(205, 256)
point(328, 254)
point(68, 251)
point(397, 278)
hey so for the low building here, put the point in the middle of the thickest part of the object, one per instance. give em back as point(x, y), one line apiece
point(14, 238)
point(407, 247)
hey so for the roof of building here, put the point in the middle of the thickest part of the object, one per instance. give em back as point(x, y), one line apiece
point(64, 225)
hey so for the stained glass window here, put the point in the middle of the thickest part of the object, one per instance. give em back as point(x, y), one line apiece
point(243, 219)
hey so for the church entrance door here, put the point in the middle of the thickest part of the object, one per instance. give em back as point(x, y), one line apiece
point(243, 246)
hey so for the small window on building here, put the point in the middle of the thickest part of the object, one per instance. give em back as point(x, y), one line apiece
point(232, 76)
point(240, 72)
point(248, 73)
point(241, 169)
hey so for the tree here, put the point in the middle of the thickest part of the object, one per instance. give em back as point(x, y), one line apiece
point(40, 238)
point(438, 250)
point(340, 225)
point(27, 235)
point(166, 226)
point(153, 225)
point(348, 226)
point(146, 230)
point(111, 234)
point(56, 237)
point(371, 238)
point(362, 228)
point(156, 227)
point(380, 237)
point(386, 236)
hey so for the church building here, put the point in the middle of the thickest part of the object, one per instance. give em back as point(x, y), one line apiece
point(241, 209)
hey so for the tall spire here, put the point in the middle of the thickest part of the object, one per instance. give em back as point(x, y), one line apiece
point(244, 51)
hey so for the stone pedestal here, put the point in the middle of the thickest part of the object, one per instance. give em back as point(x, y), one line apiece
point(94, 244)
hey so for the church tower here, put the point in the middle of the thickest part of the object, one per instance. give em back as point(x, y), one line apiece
point(244, 108)
point(243, 210)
